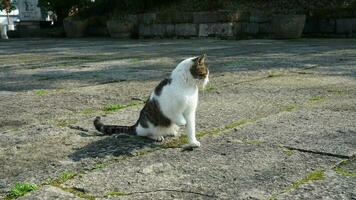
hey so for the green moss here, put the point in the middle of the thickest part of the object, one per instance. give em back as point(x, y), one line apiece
point(175, 143)
point(337, 92)
point(20, 189)
point(98, 166)
point(287, 152)
point(343, 172)
point(40, 92)
point(212, 131)
point(210, 88)
point(237, 123)
point(316, 98)
point(115, 193)
point(312, 176)
point(66, 176)
point(289, 108)
point(116, 106)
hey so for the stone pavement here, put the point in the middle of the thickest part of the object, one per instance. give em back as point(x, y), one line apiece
point(277, 120)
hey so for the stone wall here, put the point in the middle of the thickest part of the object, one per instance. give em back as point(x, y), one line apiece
point(219, 24)
point(236, 25)
point(226, 25)
point(331, 23)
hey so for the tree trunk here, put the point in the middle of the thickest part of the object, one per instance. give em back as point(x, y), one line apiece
point(7, 16)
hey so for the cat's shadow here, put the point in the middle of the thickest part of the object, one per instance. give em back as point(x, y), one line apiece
point(114, 145)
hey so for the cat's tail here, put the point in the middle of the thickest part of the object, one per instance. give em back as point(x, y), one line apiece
point(113, 129)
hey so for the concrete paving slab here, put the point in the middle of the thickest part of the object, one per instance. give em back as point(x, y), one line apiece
point(50, 192)
point(320, 131)
point(296, 93)
point(222, 168)
point(333, 186)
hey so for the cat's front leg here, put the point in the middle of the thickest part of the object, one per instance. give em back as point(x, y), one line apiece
point(190, 118)
point(180, 120)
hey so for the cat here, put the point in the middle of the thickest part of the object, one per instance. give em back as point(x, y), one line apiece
point(173, 103)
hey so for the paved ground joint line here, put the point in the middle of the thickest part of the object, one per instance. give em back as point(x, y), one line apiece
point(317, 152)
point(166, 190)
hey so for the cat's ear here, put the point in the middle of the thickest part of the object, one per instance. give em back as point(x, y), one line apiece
point(200, 59)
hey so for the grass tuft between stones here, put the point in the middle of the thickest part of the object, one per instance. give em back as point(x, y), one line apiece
point(343, 172)
point(41, 92)
point(210, 88)
point(312, 176)
point(316, 98)
point(289, 108)
point(115, 193)
point(20, 189)
point(63, 177)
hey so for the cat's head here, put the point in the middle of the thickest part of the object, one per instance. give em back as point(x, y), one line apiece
point(193, 71)
point(198, 69)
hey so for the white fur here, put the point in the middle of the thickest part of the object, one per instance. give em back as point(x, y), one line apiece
point(178, 101)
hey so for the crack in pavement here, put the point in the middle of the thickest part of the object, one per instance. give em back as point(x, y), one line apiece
point(164, 190)
point(317, 152)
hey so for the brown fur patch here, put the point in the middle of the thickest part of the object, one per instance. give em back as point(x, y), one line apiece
point(151, 112)
point(198, 69)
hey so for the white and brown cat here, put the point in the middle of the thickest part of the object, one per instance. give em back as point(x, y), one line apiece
point(173, 103)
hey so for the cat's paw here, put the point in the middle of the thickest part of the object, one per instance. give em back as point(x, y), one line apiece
point(192, 145)
point(156, 138)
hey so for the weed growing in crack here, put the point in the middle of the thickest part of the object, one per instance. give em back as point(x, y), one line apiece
point(289, 108)
point(312, 176)
point(41, 92)
point(20, 189)
point(339, 170)
point(210, 88)
point(98, 166)
point(115, 193)
point(343, 172)
point(286, 151)
point(63, 177)
point(316, 98)
point(237, 123)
